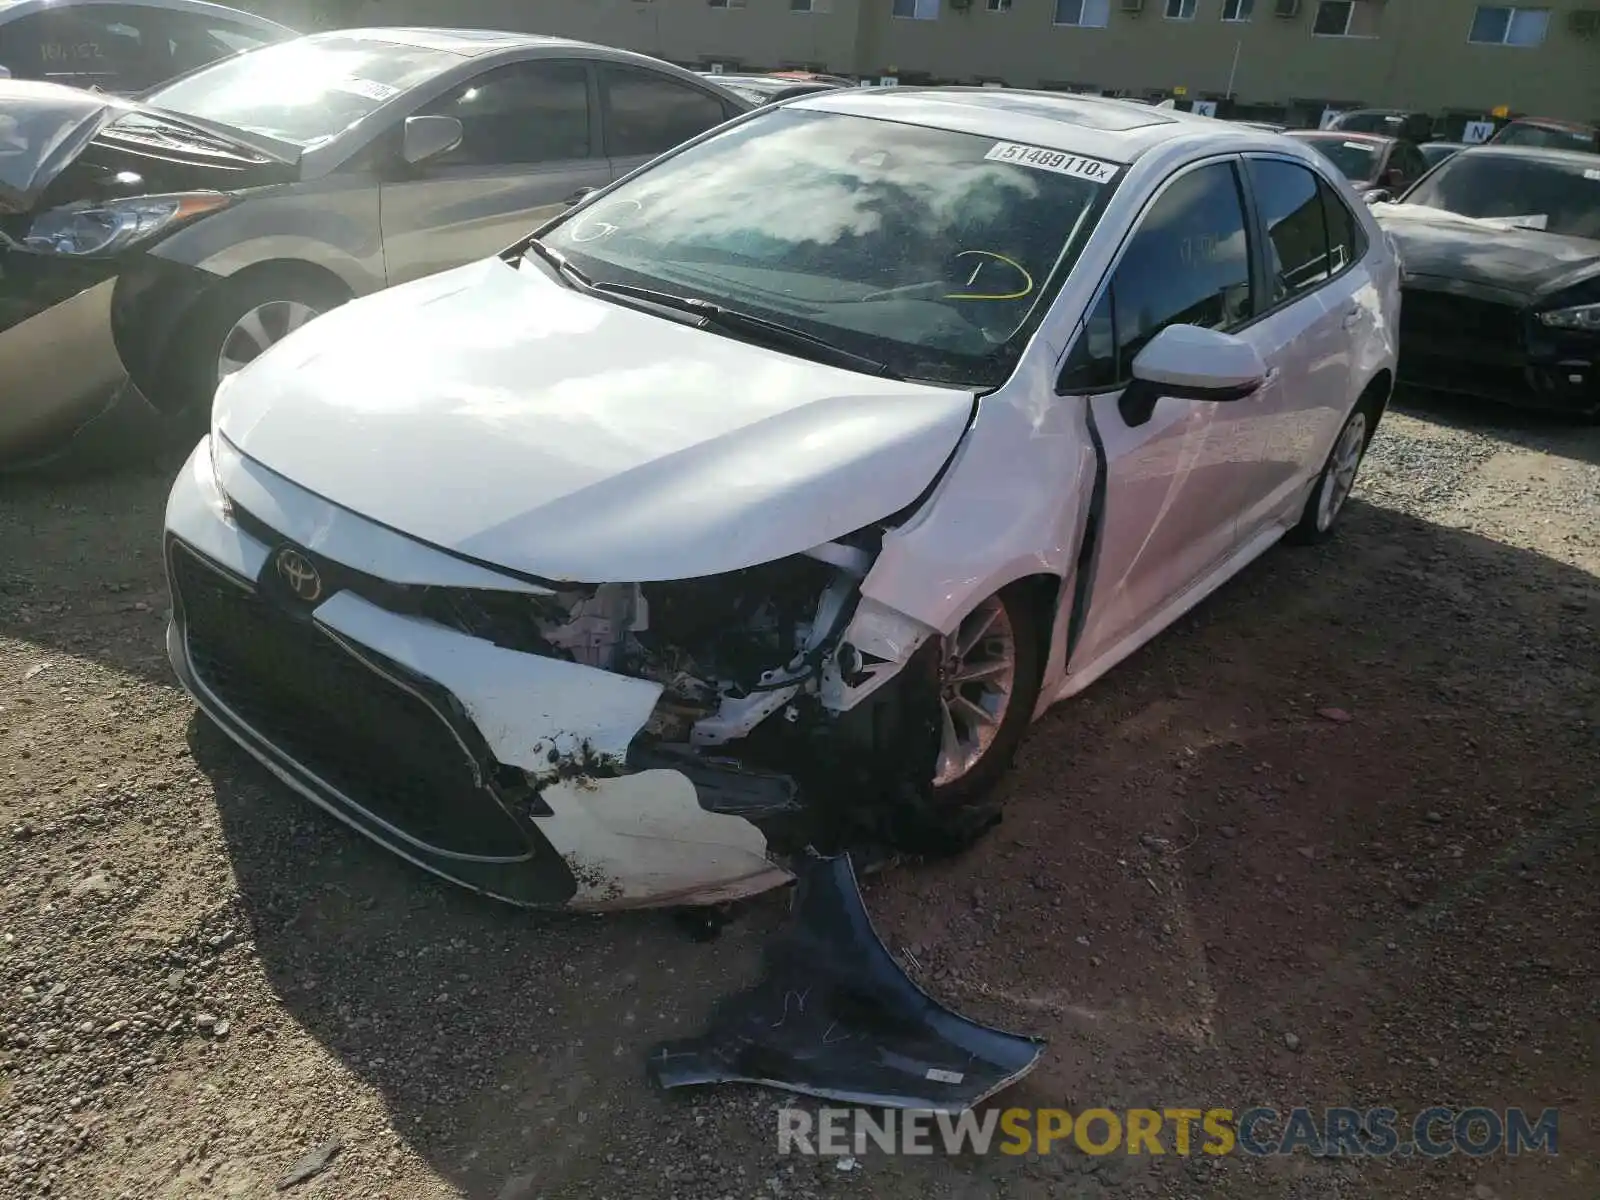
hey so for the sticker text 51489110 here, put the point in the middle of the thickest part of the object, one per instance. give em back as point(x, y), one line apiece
point(1093, 169)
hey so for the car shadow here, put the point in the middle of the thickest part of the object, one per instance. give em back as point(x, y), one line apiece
point(1239, 808)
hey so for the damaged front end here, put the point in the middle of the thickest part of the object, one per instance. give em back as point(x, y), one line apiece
point(588, 746)
point(767, 709)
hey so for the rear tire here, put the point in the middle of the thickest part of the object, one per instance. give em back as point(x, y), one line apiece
point(1337, 479)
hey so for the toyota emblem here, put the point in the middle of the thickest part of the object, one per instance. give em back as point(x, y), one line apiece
point(300, 574)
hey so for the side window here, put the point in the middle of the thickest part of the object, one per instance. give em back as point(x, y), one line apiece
point(532, 112)
point(1344, 234)
point(1092, 364)
point(1188, 264)
point(649, 113)
point(104, 46)
point(196, 41)
point(1291, 207)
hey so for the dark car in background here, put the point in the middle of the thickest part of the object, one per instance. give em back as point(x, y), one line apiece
point(123, 46)
point(1501, 252)
point(1378, 167)
point(1550, 133)
point(1387, 122)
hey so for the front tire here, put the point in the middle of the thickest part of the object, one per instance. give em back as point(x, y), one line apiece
point(242, 321)
point(989, 685)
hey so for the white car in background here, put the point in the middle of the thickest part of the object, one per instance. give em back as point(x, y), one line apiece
point(759, 503)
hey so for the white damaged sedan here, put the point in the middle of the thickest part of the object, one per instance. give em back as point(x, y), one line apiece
point(759, 503)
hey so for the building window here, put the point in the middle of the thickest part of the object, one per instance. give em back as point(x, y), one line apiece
point(811, 6)
point(917, 10)
point(726, 3)
point(1346, 18)
point(998, 5)
point(1237, 10)
point(1509, 26)
point(1180, 10)
point(1088, 14)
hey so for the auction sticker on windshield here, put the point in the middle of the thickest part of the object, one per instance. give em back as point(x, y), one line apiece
point(1093, 169)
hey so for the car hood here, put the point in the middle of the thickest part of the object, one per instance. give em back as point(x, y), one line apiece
point(46, 128)
point(1484, 251)
point(43, 127)
point(496, 414)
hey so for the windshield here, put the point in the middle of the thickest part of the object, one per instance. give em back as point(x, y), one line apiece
point(1357, 161)
point(1545, 135)
point(305, 92)
point(931, 251)
point(1558, 197)
point(1437, 152)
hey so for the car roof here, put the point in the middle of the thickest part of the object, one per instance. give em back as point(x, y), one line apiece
point(468, 43)
point(1573, 158)
point(1117, 130)
point(11, 10)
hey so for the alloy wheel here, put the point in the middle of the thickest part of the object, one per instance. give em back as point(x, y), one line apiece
point(1340, 477)
point(977, 677)
point(261, 327)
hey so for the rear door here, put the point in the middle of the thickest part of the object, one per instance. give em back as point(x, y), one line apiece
point(1311, 317)
point(530, 145)
point(646, 113)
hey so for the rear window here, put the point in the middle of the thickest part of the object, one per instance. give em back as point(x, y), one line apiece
point(1557, 197)
point(1546, 135)
point(1356, 161)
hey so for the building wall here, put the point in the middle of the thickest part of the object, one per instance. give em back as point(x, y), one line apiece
point(1415, 52)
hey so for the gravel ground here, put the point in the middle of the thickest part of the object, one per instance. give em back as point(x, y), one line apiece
point(1203, 893)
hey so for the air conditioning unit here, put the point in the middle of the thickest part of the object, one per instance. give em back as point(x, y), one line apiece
point(1133, 6)
point(1584, 22)
point(1286, 8)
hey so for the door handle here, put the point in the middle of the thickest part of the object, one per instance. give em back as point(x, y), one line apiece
point(578, 196)
point(1351, 317)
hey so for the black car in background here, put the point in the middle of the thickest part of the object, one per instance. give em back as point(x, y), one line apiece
point(1434, 153)
point(123, 46)
point(1501, 253)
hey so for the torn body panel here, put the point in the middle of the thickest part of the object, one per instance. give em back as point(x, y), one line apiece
point(834, 1016)
point(660, 743)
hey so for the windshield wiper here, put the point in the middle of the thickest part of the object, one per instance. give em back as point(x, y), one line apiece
point(559, 261)
point(773, 333)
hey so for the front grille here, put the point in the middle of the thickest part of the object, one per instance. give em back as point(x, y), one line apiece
point(327, 711)
point(1440, 319)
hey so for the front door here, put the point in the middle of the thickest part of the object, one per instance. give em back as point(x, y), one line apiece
point(529, 146)
point(1173, 482)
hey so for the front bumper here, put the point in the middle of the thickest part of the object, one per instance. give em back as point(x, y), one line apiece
point(500, 770)
point(1491, 347)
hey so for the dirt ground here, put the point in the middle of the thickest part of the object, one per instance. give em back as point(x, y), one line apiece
point(1203, 893)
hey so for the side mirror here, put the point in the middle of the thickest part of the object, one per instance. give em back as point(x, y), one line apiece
point(1191, 363)
point(1377, 195)
point(579, 196)
point(428, 137)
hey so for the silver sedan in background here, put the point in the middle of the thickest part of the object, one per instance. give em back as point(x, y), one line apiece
point(152, 247)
